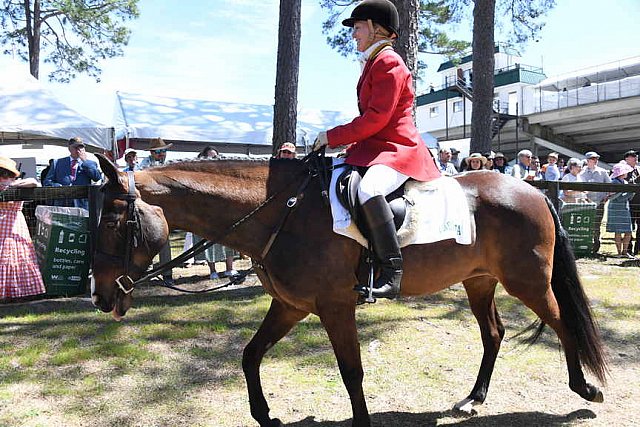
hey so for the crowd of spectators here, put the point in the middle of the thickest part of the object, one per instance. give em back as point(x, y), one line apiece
point(623, 208)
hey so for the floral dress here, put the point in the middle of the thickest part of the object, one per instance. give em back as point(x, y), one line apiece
point(19, 273)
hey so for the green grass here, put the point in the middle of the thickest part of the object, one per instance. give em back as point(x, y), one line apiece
point(175, 360)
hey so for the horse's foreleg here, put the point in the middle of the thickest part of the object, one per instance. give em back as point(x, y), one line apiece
point(480, 291)
point(339, 320)
point(276, 324)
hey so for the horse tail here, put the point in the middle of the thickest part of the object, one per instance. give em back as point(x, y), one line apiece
point(574, 306)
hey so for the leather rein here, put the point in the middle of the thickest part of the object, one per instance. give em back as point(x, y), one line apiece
point(134, 237)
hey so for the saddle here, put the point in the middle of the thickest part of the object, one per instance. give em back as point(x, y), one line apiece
point(347, 186)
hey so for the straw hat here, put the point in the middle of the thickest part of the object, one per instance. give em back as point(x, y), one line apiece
point(8, 164)
point(158, 144)
point(483, 159)
point(620, 169)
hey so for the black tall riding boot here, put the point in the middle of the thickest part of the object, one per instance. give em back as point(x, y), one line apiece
point(379, 218)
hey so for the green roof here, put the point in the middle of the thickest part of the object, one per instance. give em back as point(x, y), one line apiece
point(515, 74)
point(499, 48)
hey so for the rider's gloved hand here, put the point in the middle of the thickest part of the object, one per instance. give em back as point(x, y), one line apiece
point(321, 141)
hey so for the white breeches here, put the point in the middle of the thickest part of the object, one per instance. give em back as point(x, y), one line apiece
point(380, 180)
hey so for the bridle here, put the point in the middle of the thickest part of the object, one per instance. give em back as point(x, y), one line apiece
point(316, 168)
point(133, 240)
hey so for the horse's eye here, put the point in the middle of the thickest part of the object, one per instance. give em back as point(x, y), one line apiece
point(111, 224)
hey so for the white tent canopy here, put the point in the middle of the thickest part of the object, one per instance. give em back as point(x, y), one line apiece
point(190, 123)
point(31, 114)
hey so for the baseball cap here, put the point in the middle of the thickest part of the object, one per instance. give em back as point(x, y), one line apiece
point(287, 146)
point(129, 151)
point(630, 153)
point(591, 155)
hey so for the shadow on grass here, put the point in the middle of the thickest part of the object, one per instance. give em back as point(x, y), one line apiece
point(213, 354)
point(427, 419)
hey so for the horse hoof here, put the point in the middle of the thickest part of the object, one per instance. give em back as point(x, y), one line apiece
point(466, 407)
point(598, 397)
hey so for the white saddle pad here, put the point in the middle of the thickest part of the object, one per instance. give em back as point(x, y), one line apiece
point(436, 210)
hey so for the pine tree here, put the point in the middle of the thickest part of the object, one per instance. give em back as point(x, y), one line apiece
point(73, 35)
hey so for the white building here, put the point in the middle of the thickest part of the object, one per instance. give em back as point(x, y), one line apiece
point(445, 111)
point(593, 109)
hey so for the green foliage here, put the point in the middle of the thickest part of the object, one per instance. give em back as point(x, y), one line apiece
point(433, 18)
point(519, 22)
point(75, 35)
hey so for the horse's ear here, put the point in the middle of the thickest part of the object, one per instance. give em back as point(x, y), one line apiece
point(108, 168)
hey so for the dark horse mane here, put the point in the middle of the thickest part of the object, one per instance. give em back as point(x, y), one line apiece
point(281, 171)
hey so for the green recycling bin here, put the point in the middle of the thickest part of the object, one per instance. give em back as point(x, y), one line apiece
point(578, 220)
point(62, 249)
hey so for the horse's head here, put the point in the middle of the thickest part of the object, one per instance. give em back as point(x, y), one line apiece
point(130, 234)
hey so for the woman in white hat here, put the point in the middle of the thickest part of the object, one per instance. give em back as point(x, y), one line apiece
point(19, 273)
point(619, 215)
point(475, 162)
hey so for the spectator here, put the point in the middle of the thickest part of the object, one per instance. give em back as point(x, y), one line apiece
point(490, 156)
point(131, 159)
point(536, 169)
point(475, 162)
point(444, 162)
point(19, 273)
point(217, 252)
point(45, 171)
point(500, 164)
point(618, 214)
point(73, 170)
point(521, 169)
point(573, 196)
point(157, 156)
point(561, 166)
point(631, 157)
point(455, 159)
point(593, 173)
point(157, 153)
point(550, 169)
point(208, 152)
point(287, 151)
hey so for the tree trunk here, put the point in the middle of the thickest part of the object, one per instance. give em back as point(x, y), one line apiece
point(483, 65)
point(407, 43)
point(33, 35)
point(288, 65)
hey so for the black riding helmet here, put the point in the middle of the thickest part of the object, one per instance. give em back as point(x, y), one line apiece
point(382, 12)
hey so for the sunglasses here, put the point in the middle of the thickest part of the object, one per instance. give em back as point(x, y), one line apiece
point(159, 151)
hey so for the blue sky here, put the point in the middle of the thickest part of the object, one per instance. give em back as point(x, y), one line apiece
point(225, 50)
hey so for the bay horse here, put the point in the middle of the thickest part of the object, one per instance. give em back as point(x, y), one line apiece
point(309, 269)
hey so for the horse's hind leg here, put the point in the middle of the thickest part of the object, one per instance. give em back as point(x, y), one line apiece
point(276, 324)
point(480, 291)
point(339, 320)
point(546, 307)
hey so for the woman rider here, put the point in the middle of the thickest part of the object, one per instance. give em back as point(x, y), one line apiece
point(384, 137)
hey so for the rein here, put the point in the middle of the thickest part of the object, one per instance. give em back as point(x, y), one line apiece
point(134, 236)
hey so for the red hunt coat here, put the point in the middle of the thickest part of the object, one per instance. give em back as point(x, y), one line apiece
point(384, 132)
